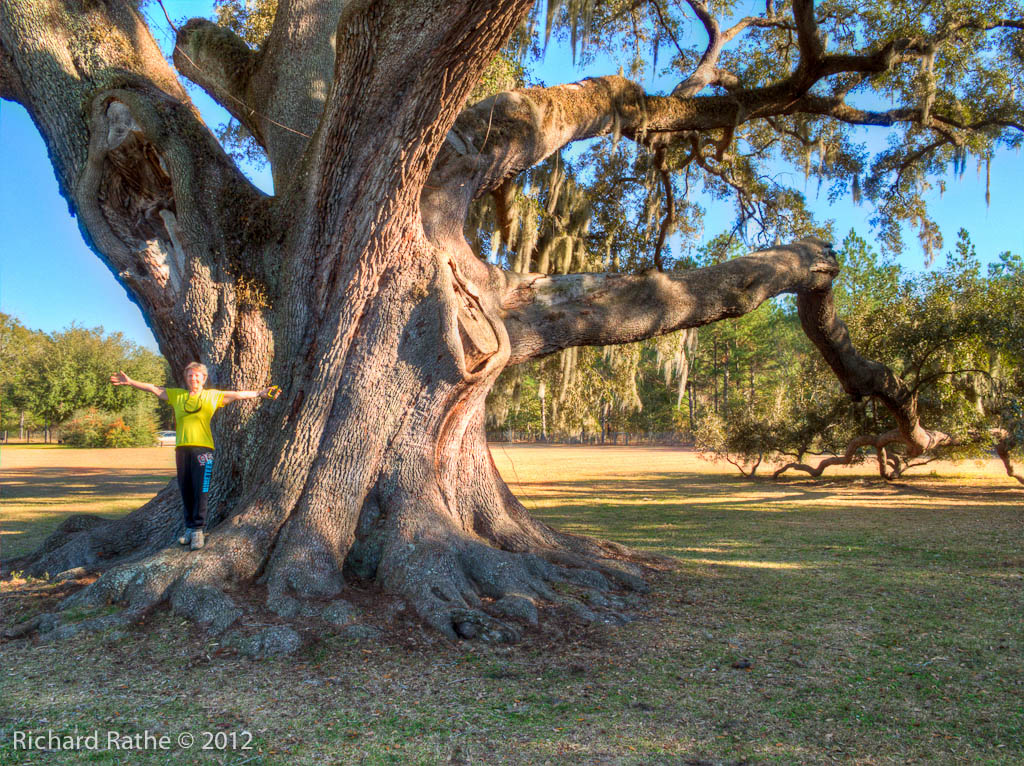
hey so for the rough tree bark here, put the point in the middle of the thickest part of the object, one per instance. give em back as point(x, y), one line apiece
point(354, 288)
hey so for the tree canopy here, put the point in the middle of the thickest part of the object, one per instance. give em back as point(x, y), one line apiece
point(872, 102)
point(49, 377)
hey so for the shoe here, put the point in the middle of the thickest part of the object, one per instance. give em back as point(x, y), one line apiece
point(186, 538)
point(197, 539)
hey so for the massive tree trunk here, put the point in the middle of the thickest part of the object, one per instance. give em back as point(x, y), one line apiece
point(354, 289)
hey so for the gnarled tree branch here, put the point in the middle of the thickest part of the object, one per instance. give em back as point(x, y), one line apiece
point(861, 377)
point(277, 95)
point(510, 132)
point(130, 58)
point(879, 442)
point(812, 48)
point(219, 61)
point(1004, 444)
point(154, 193)
point(545, 314)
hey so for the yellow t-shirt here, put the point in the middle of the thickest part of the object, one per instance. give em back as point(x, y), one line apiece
point(192, 415)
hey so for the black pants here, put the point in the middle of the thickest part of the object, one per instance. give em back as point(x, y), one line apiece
point(195, 466)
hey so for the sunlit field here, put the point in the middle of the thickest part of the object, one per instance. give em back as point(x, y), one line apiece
point(839, 620)
point(43, 484)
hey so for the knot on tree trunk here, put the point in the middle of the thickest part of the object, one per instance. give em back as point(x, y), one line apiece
point(135, 187)
point(476, 330)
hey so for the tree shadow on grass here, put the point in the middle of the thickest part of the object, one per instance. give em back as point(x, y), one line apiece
point(789, 523)
point(700, 491)
point(48, 485)
point(37, 501)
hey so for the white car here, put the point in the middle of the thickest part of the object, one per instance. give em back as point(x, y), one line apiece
point(165, 438)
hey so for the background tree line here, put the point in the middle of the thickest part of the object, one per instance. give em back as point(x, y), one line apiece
point(754, 387)
point(58, 384)
point(741, 390)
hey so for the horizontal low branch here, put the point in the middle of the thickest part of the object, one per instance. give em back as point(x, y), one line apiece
point(888, 465)
point(545, 314)
point(880, 442)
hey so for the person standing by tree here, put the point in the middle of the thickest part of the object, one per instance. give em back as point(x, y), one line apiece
point(194, 407)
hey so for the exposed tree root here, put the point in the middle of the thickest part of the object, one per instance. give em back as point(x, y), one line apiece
point(191, 582)
point(95, 544)
point(471, 590)
point(464, 584)
point(465, 589)
point(468, 570)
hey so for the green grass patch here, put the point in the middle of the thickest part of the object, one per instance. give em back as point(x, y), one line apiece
point(848, 621)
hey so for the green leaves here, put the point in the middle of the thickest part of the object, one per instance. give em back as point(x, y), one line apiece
point(50, 376)
point(249, 19)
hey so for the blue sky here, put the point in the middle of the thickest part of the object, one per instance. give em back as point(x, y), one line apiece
point(50, 279)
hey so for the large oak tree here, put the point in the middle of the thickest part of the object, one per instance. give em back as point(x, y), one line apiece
point(355, 287)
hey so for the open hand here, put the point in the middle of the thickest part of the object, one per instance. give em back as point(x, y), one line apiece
point(120, 379)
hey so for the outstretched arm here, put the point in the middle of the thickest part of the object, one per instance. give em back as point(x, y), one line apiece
point(234, 396)
point(120, 379)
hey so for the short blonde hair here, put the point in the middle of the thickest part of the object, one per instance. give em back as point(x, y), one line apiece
point(196, 366)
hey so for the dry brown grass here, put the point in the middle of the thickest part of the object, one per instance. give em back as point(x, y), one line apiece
point(544, 461)
point(41, 485)
point(843, 620)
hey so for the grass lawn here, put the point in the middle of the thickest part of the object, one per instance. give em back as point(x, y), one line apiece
point(845, 620)
point(43, 484)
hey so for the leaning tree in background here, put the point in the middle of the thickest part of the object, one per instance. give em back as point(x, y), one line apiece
point(951, 336)
point(355, 286)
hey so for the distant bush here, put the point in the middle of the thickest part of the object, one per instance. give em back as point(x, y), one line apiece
point(91, 427)
point(743, 440)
